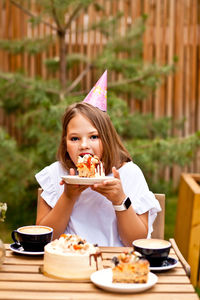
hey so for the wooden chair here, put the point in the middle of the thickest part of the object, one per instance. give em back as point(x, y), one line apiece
point(159, 229)
point(159, 233)
point(159, 223)
point(39, 192)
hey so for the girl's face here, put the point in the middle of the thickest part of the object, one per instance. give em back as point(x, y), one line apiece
point(82, 137)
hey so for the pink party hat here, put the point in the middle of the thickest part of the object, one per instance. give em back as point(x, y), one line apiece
point(98, 94)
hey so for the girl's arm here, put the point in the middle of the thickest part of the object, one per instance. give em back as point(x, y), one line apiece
point(58, 216)
point(131, 226)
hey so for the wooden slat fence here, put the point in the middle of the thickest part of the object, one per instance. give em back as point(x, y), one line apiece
point(173, 29)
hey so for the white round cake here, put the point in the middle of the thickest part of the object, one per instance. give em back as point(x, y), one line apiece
point(70, 257)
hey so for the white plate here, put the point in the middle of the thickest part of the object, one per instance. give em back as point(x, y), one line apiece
point(170, 263)
point(83, 180)
point(103, 279)
point(20, 250)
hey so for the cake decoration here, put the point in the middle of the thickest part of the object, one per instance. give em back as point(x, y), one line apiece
point(90, 166)
point(71, 257)
point(130, 268)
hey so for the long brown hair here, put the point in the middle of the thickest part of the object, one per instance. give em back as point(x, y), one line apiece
point(114, 152)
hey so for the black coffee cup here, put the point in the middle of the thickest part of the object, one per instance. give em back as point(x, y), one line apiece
point(156, 251)
point(33, 237)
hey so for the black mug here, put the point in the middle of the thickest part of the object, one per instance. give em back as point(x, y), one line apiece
point(156, 251)
point(33, 237)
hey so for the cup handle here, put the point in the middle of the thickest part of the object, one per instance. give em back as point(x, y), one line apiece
point(14, 237)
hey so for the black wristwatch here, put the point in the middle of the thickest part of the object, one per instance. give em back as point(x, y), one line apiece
point(124, 206)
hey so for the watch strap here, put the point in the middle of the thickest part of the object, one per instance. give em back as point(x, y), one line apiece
point(124, 206)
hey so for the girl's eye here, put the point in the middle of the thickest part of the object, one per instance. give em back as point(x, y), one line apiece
point(74, 138)
point(94, 137)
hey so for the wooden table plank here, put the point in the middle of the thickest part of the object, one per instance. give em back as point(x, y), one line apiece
point(23, 260)
point(84, 287)
point(175, 271)
point(7, 276)
point(12, 295)
point(18, 268)
point(172, 279)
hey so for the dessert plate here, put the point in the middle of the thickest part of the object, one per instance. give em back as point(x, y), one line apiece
point(167, 264)
point(20, 250)
point(103, 279)
point(75, 179)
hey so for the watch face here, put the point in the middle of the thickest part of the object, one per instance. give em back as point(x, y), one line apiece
point(127, 203)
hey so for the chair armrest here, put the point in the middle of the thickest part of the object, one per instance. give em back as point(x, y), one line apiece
point(184, 263)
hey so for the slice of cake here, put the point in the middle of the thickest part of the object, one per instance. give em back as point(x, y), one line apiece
point(71, 257)
point(129, 268)
point(89, 166)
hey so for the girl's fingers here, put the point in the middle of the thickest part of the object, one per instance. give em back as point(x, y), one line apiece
point(71, 171)
point(115, 173)
point(106, 184)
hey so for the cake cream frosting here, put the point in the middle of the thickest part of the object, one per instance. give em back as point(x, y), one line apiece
point(71, 257)
point(90, 166)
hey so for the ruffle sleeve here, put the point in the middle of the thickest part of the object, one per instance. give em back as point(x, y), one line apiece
point(47, 180)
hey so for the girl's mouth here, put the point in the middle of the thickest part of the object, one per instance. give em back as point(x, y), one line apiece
point(82, 154)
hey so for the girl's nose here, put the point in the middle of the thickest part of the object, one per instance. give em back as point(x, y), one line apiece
point(84, 143)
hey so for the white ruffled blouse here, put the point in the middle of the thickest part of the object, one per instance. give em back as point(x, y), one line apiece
point(93, 216)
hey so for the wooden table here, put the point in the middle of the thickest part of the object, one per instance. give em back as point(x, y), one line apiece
point(20, 279)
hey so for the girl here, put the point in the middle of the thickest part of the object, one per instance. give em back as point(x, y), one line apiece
point(112, 213)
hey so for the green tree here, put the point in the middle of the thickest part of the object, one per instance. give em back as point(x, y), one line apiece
point(38, 104)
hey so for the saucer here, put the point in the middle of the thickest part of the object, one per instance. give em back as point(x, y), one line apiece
point(167, 264)
point(20, 250)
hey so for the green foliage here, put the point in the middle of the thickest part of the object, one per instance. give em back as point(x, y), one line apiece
point(30, 46)
point(197, 289)
point(146, 126)
point(118, 112)
point(19, 93)
point(170, 214)
point(153, 155)
point(71, 61)
point(16, 176)
point(107, 25)
point(3, 209)
point(57, 10)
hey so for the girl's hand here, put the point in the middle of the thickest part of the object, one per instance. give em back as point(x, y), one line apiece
point(73, 191)
point(111, 189)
